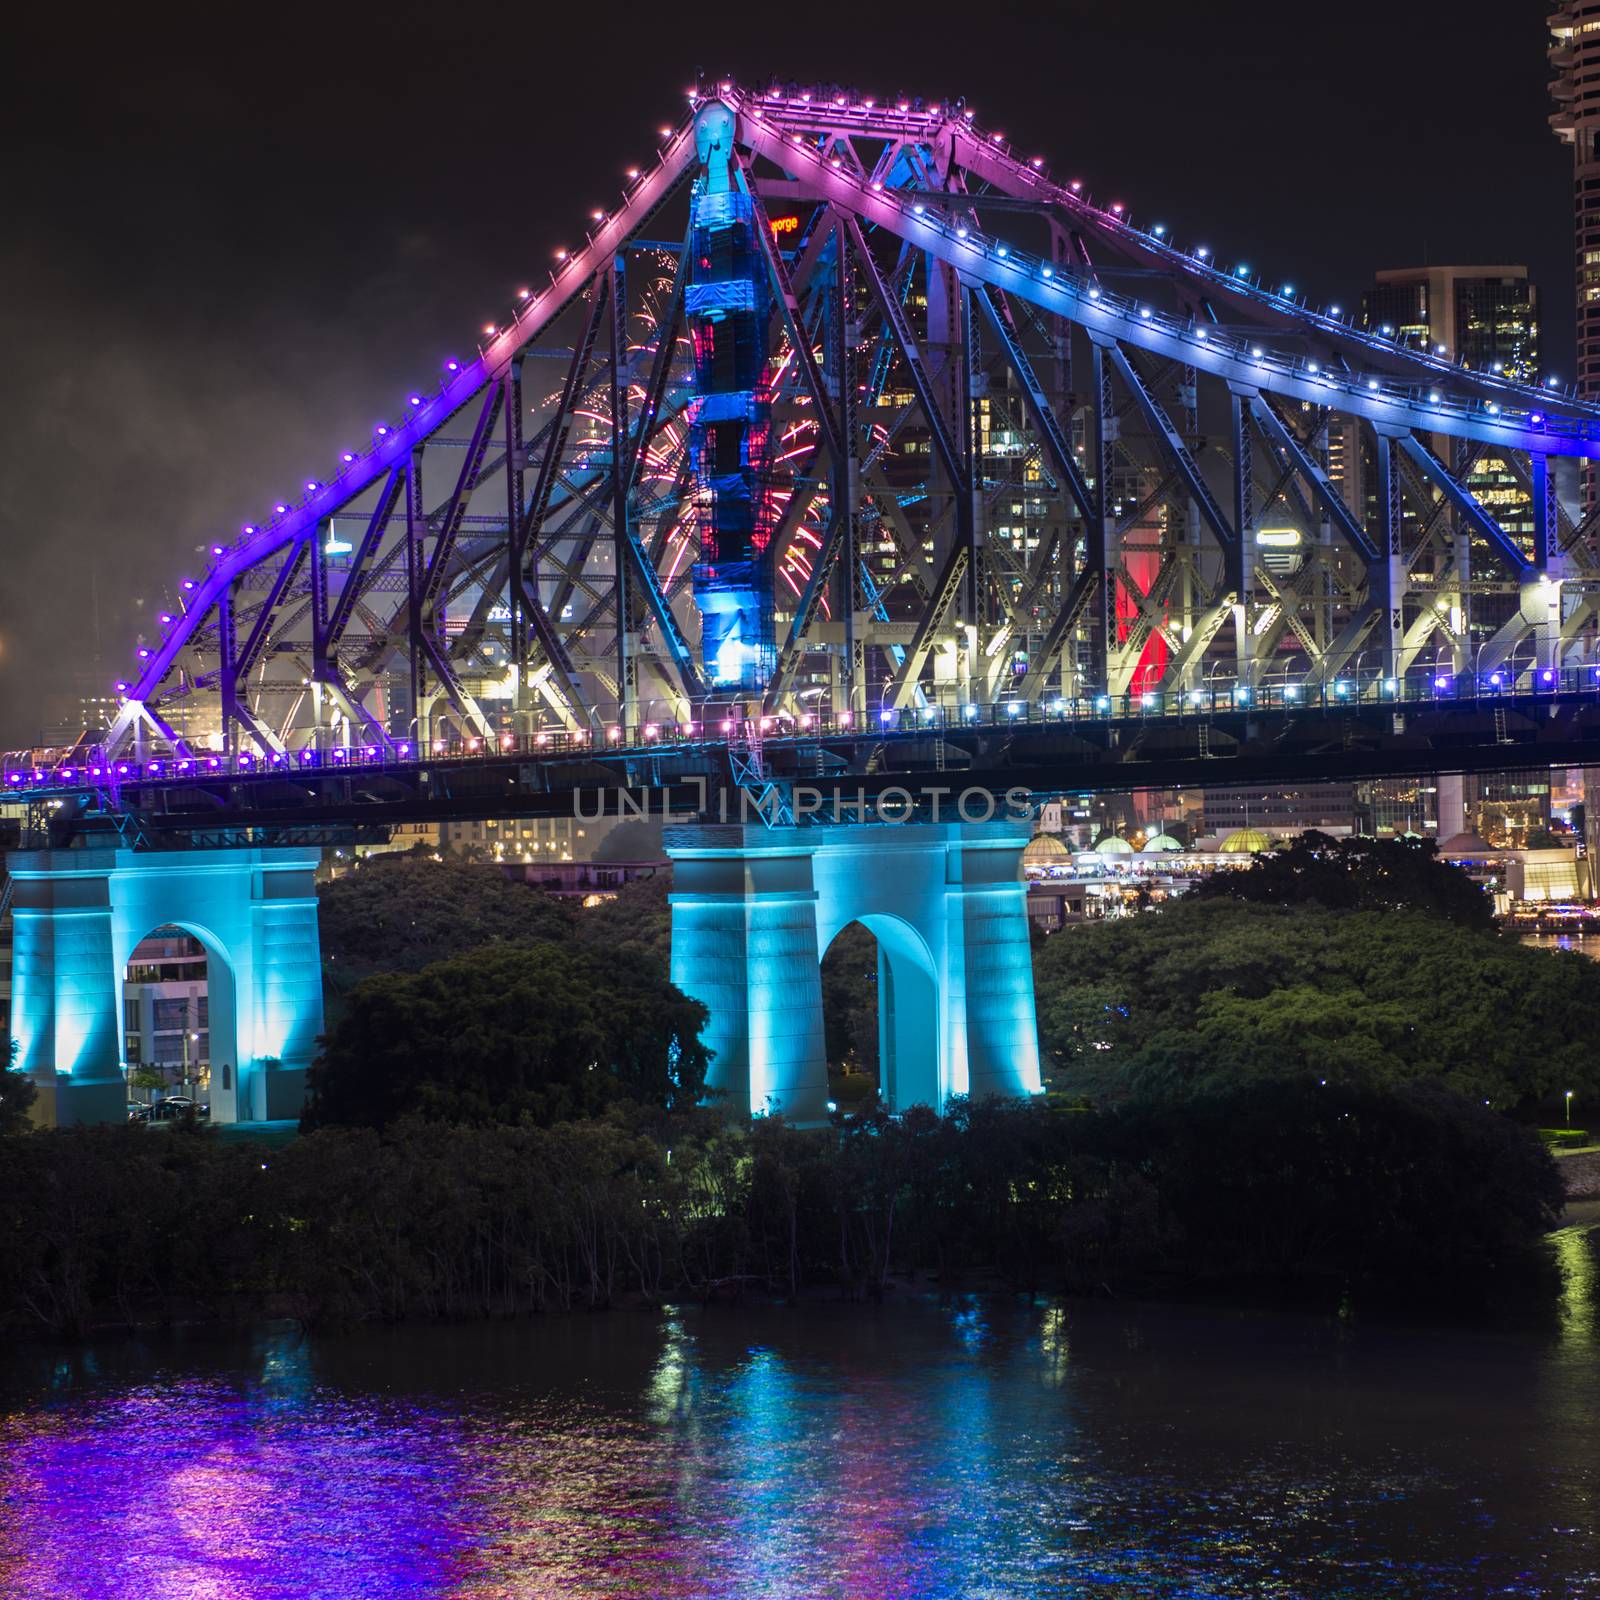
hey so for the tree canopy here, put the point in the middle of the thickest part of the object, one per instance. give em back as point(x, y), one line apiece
point(1356, 875)
point(1208, 993)
point(541, 1032)
point(397, 913)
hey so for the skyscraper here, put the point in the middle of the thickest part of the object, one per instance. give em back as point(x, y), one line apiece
point(1575, 58)
point(1487, 318)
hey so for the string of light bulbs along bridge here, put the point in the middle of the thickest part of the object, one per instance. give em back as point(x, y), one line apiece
point(1406, 388)
point(45, 771)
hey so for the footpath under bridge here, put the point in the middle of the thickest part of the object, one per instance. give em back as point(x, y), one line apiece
point(1006, 442)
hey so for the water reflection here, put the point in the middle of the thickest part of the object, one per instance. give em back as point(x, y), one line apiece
point(974, 1448)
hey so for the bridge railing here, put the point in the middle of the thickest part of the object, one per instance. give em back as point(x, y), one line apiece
point(43, 771)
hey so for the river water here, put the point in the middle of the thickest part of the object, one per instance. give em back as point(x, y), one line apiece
point(973, 1448)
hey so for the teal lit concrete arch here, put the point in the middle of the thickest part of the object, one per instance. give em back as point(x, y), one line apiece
point(78, 915)
point(908, 1009)
point(222, 991)
point(754, 909)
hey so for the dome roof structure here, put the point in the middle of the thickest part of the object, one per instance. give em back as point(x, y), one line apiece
point(1246, 841)
point(1113, 845)
point(1045, 850)
point(1159, 843)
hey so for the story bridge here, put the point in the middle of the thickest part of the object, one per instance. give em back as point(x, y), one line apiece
point(851, 450)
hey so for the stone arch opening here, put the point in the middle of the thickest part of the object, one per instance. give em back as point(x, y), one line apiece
point(904, 1009)
point(180, 1018)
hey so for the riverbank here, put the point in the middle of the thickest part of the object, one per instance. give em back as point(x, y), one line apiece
point(1377, 1194)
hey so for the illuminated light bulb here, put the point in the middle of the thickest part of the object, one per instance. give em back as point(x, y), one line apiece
point(1438, 350)
point(1116, 208)
point(1257, 352)
point(1288, 288)
point(121, 687)
point(1312, 366)
point(1038, 161)
point(249, 527)
point(188, 583)
point(216, 549)
point(452, 366)
point(524, 294)
point(347, 457)
point(1372, 383)
point(561, 255)
point(1241, 271)
point(1001, 251)
point(1094, 291)
point(997, 138)
point(1493, 407)
point(144, 655)
point(877, 185)
point(1159, 229)
point(1144, 312)
point(1333, 311)
point(311, 484)
point(1434, 396)
point(489, 330)
point(633, 172)
point(961, 233)
point(1386, 329)
point(382, 431)
point(1200, 333)
point(598, 216)
point(280, 508)
point(918, 209)
point(666, 133)
point(835, 162)
point(1046, 272)
point(1203, 251)
point(416, 399)
point(1076, 185)
point(1550, 383)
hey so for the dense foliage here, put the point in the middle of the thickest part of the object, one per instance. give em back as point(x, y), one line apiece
point(397, 913)
point(543, 1032)
point(1356, 874)
point(1209, 994)
point(1373, 1189)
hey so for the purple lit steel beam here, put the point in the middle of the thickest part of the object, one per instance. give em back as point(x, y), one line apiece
point(396, 445)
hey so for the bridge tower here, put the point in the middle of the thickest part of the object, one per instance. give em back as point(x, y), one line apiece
point(730, 418)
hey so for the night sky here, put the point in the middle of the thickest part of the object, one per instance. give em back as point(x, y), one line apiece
point(232, 238)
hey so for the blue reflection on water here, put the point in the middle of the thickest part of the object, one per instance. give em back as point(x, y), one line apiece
point(975, 1449)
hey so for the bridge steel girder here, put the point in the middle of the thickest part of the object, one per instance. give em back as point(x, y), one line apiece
point(605, 470)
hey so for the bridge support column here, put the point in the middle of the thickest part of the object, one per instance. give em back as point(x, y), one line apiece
point(78, 914)
point(755, 909)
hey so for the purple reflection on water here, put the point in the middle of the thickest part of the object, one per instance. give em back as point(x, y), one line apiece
point(203, 1493)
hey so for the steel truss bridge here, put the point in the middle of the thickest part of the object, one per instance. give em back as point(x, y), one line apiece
point(1041, 490)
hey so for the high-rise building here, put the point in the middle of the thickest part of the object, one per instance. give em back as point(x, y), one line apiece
point(1487, 318)
point(1575, 59)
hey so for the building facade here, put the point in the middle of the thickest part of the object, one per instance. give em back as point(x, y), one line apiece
point(1575, 87)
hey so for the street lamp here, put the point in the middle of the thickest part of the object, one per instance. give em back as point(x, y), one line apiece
point(1569, 1107)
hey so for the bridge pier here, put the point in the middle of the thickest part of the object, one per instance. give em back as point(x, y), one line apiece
point(78, 914)
point(755, 909)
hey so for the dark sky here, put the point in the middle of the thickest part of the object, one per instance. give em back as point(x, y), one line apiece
point(232, 237)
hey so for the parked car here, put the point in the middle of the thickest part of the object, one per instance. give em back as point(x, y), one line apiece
point(138, 1111)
